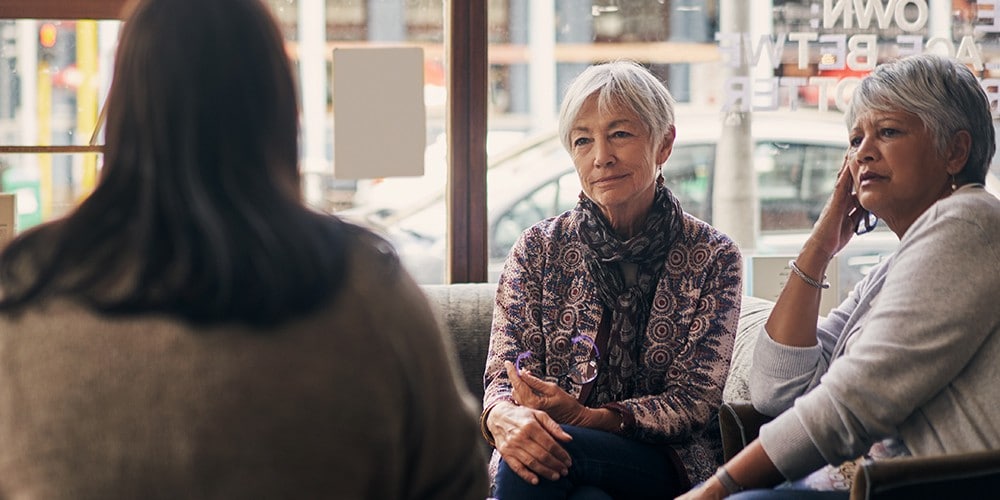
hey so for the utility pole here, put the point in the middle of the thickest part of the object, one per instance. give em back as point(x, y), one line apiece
point(735, 208)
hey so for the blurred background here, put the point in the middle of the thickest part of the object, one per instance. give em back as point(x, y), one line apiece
point(770, 76)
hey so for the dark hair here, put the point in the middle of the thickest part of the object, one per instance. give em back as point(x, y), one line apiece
point(198, 212)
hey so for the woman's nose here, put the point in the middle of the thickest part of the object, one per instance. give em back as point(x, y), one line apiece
point(603, 154)
point(865, 152)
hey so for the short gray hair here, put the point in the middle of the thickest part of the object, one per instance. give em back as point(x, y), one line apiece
point(624, 84)
point(944, 94)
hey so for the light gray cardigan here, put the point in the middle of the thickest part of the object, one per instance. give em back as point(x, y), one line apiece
point(913, 353)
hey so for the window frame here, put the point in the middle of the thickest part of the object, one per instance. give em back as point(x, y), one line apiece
point(466, 45)
point(61, 9)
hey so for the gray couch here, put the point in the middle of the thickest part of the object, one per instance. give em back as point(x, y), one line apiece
point(467, 311)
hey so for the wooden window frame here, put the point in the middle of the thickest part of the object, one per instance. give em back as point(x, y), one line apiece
point(58, 9)
point(61, 9)
point(466, 44)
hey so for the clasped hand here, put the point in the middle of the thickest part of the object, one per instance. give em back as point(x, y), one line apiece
point(535, 393)
point(528, 434)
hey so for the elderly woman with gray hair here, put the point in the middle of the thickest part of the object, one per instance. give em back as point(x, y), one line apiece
point(615, 321)
point(907, 365)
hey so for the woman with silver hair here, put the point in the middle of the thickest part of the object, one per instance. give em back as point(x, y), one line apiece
point(615, 321)
point(907, 364)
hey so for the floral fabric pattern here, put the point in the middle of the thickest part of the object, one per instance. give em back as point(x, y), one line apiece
point(547, 295)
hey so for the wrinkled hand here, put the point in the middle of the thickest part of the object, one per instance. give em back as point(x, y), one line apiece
point(538, 394)
point(528, 440)
point(835, 226)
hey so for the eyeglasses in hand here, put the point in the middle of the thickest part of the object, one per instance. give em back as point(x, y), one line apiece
point(584, 354)
point(866, 223)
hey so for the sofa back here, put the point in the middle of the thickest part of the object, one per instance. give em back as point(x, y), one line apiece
point(466, 310)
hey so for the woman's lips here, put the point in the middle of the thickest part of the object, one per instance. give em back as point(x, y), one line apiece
point(606, 180)
point(869, 177)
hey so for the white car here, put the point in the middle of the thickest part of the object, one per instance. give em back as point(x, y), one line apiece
point(796, 157)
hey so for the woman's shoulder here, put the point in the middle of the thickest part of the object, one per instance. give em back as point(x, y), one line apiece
point(975, 206)
point(372, 260)
point(697, 232)
point(564, 223)
point(551, 232)
point(977, 203)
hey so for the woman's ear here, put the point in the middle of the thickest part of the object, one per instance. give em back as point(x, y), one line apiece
point(666, 146)
point(958, 151)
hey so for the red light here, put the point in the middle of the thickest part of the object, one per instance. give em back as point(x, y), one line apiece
point(47, 35)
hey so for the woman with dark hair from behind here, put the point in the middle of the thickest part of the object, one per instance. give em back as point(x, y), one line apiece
point(193, 329)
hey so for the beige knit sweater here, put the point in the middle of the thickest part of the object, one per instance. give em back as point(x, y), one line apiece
point(359, 400)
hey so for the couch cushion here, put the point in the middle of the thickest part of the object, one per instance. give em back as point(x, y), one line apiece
point(753, 314)
point(467, 312)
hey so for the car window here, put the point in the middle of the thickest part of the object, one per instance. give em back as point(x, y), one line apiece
point(793, 182)
point(552, 198)
point(688, 175)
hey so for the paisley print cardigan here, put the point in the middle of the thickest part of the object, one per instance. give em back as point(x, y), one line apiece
point(546, 295)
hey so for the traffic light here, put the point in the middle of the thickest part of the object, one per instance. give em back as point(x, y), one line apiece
point(48, 34)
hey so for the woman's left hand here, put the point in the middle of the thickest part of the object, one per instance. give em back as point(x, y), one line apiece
point(535, 393)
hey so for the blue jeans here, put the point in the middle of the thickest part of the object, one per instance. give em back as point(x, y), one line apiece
point(605, 466)
point(790, 491)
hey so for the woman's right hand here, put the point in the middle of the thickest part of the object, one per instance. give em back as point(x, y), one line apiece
point(835, 226)
point(528, 440)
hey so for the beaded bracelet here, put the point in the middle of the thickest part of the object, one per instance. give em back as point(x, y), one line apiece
point(798, 272)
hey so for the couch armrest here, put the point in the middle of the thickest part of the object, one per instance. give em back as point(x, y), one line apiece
point(960, 475)
point(739, 424)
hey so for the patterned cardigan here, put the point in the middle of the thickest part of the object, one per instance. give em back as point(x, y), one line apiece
point(546, 290)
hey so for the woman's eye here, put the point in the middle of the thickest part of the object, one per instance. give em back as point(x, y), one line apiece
point(855, 142)
point(620, 133)
point(890, 132)
point(580, 141)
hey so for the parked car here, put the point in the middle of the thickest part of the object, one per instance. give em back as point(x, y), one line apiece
point(796, 156)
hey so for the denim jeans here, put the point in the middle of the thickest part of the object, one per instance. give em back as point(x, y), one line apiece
point(605, 466)
point(790, 491)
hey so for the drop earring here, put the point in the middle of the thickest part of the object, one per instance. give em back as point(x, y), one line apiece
point(953, 186)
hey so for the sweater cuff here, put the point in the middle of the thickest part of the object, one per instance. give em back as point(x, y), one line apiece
point(628, 418)
point(789, 446)
point(783, 361)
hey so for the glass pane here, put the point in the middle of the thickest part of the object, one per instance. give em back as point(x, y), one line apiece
point(409, 211)
point(54, 76)
point(805, 55)
point(45, 186)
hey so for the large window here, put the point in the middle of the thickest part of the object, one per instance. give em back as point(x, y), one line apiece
point(54, 74)
point(802, 59)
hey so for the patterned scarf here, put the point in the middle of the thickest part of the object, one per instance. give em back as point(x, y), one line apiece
point(630, 305)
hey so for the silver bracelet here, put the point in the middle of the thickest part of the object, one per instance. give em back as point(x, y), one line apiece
point(727, 481)
point(798, 272)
